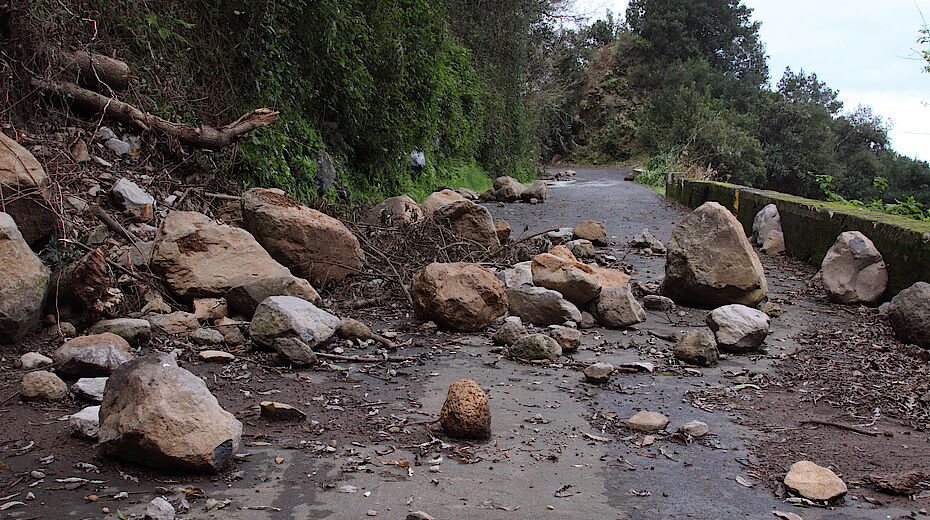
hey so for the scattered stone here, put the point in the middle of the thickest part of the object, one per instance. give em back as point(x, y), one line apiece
point(598, 373)
point(508, 189)
point(419, 515)
point(466, 413)
point(90, 388)
point(561, 235)
point(541, 306)
point(42, 385)
point(198, 257)
point(86, 423)
point(210, 309)
point(591, 230)
point(774, 243)
point(159, 509)
point(23, 281)
point(771, 308)
point(32, 360)
point(459, 296)
point(469, 221)
point(128, 195)
point(510, 332)
point(765, 221)
point(353, 329)
point(287, 316)
point(610, 277)
point(94, 355)
point(534, 347)
point(178, 322)
point(65, 329)
point(581, 248)
point(645, 240)
point(697, 347)
point(568, 338)
point(274, 411)
point(206, 336)
point(617, 308)
point(438, 198)
point(710, 261)
point(814, 482)
point(503, 230)
point(909, 314)
point(216, 356)
point(654, 302)
point(587, 321)
point(577, 282)
point(694, 429)
point(738, 328)
point(312, 244)
point(295, 351)
point(647, 422)
point(158, 414)
point(535, 191)
point(244, 299)
point(138, 255)
point(399, 209)
point(519, 274)
point(853, 270)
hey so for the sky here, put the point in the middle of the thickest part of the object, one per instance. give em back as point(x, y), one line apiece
point(867, 50)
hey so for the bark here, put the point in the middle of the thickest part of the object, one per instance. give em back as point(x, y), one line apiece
point(94, 71)
point(197, 137)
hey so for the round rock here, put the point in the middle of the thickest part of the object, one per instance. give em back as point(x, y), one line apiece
point(42, 385)
point(647, 422)
point(466, 413)
point(536, 346)
point(598, 372)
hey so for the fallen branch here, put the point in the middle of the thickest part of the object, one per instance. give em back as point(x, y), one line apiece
point(357, 359)
point(840, 426)
point(199, 137)
point(92, 70)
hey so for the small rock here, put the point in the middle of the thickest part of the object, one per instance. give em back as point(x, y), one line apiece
point(654, 302)
point(466, 413)
point(210, 309)
point(771, 308)
point(274, 411)
point(774, 243)
point(569, 338)
point(647, 422)
point(86, 423)
point(178, 322)
point(90, 388)
point(519, 274)
point(591, 230)
point(581, 248)
point(244, 299)
point(511, 331)
point(561, 235)
point(645, 240)
point(216, 356)
point(503, 230)
point(42, 385)
point(541, 306)
point(353, 329)
point(616, 307)
point(694, 429)
point(598, 373)
point(738, 328)
point(129, 195)
point(419, 515)
point(697, 347)
point(295, 351)
point(64, 329)
point(814, 482)
point(31, 360)
point(587, 321)
point(93, 355)
point(159, 509)
point(535, 346)
point(206, 336)
point(288, 316)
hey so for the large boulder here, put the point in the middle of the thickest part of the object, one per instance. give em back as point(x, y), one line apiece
point(710, 262)
point(592, 230)
point(909, 314)
point(397, 209)
point(466, 413)
point(200, 258)
point(290, 317)
point(577, 282)
point(469, 221)
point(616, 308)
point(42, 385)
point(159, 415)
point(460, 296)
point(765, 221)
point(438, 198)
point(536, 191)
point(312, 244)
point(697, 347)
point(541, 306)
point(23, 283)
point(738, 328)
point(94, 355)
point(24, 188)
point(853, 270)
point(508, 189)
point(245, 298)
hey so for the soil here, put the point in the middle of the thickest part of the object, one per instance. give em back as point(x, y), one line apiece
point(559, 447)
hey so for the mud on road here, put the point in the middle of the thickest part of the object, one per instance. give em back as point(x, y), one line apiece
point(560, 447)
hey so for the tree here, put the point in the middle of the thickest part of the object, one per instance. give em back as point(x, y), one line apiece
point(801, 88)
point(719, 31)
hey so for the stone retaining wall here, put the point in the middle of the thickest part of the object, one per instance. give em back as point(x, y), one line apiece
point(811, 226)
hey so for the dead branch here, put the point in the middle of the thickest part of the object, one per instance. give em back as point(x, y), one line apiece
point(198, 137)
point(356, 359)
point(91, 70)
point(840, 426)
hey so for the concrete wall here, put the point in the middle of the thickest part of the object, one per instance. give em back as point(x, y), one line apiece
point(811, 226)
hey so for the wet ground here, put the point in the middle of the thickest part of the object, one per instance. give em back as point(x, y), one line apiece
point(559, 447)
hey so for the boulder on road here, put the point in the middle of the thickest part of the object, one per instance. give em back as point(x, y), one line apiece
point(466, 412)
point(510, 331)
point(568, 338)
point(697, 347)
point(909, 314)
point(536, 190)
point(577, 282)
point(598, 373)
point(159, 415)
point(710, 261)
point(23, 282)
point(245, 298)
point(290, 317)
point(647, 422)
point(42, 385)
point(774, 243)
point(438, 198)
point(738, 328)
point(616, 308)
point(460, 296)
point(508, 189)
point(541, 306)
point(535, 346)
point(645, 240)
point(853, 270)
point(312, 244)
point(814, 482)
point(94, 355)
point(469, 221)
point(200, 258)
point(765, 221)
point(591, 230)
